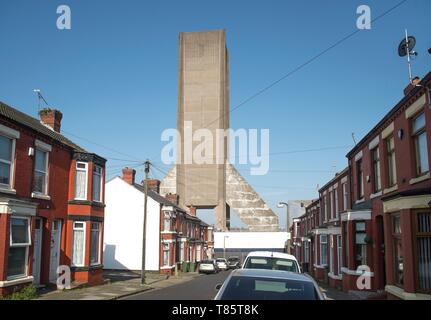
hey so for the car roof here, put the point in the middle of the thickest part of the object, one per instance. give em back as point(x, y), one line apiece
point(271, 254)
point(274, 274)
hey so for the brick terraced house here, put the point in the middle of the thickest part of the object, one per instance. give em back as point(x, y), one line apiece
point(51, 203)
point(377, 212)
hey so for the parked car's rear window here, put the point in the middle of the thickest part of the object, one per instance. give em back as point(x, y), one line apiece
point(271, 264)
point(207, 262)
point(255, 288)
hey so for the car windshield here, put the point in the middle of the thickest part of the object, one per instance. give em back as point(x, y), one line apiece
point(233, 259)
point(271, 264)
point(256, 288)
point(207, 262)
point(221, 260)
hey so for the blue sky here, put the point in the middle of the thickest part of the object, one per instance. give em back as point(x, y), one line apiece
point(114, 75)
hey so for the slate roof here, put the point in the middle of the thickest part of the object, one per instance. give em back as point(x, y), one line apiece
point(35, 124)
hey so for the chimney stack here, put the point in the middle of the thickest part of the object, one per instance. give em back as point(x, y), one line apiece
point(192, 211)
point(129, 175)
point(153, 184)
point(412, 85)
point(173, 197)
point(51, 118)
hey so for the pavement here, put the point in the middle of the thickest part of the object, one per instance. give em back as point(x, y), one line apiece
point(119, 284)
point(201, 288)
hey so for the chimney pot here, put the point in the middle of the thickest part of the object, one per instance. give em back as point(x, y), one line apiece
point(51, 118)
point(153, 184)
point(129, 175)
point(412, 85)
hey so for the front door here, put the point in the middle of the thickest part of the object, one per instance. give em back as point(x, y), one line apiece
point(55, 250)
point(37, 250)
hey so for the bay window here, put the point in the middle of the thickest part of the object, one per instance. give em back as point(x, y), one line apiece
point(423, 245)
point(40, 179)
point(78, 247)
point(323, 249)
point(360, 244)
point(7, 147)
point(81, 181)
point(165, 254)
point(420, 144)
point(97, 183)
point(95, 243)
point(18, 248)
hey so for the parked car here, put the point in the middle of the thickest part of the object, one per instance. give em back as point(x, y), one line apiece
point(259, 284)
point(208, 266)
point(233, 263)
point(221, 263)
point(271, 261)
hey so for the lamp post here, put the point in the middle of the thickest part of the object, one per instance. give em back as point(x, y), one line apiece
point(282, 205)
point(224, 246)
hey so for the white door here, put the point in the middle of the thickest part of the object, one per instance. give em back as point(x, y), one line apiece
point(37, 251)
point(55, 250)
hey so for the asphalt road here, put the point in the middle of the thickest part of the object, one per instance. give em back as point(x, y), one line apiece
point(201, 288)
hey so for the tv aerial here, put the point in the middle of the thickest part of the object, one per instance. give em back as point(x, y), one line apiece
point(40, 98)
point(405, 49)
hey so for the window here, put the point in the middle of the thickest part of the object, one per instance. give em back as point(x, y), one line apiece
point(423, 249)
point(40, 179)
point(95, 243)
point(182, 249)
point(97, 183)
point(323, 249)
point(339, 253)
point(306, 251)
point(166, 221)
point(18, 249)
point(336, 203)
point(390, 155)
point(331, 253)
point(420, 143)
point(360, 244)
point(165, 254)
point(375, 158)
point(325, 207)
point(344, 190)
point(330, 206)
point(81, 181)
point(360, 179)
point(7, 147)
point(78, 249)
point(198, 253)
point(397, 250)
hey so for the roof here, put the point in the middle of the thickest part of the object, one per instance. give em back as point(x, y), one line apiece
point(402, 102)
point(337, 176)
point(155, 196)
point(264, 273)
point(270, 254)
point(35, 124)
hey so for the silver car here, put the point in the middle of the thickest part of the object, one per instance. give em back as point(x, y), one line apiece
point(260, 284)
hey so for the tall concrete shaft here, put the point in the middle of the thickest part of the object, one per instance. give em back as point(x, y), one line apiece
point(203, 103)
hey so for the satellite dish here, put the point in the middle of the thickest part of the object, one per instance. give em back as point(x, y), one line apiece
point(406, 46)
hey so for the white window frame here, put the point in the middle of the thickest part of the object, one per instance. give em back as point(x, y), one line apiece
point(323, 236)
point(339, 254)
point(85, 240)
point(46, 170)
point(100, 243)
point(86, 179)
point(166, 216)
point(101, 182)
point(336, 202)
point(306, 251)
point(344, 190)
point(20, 245)
point(166, 262)
point(331, 254)
point(11, 163)
point(325, 205)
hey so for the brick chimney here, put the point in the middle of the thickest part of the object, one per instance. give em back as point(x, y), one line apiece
point(51, 118)
point(192, 211)
point(412, 85)
point(153, 184)
point(129, 175)
point(173, 197)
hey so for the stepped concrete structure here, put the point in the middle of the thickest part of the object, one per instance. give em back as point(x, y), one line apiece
point(203, 103)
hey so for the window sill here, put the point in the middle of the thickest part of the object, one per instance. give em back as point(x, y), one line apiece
point(16, 281)
point(391, 189)
point(40, 196)
point(7, 190)
point(400, 293)
point(420, 178)
point(375, 195)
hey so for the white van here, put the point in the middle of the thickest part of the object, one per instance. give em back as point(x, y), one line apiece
point(271, 261)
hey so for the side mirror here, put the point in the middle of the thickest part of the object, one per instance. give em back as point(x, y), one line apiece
point(218, 286)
